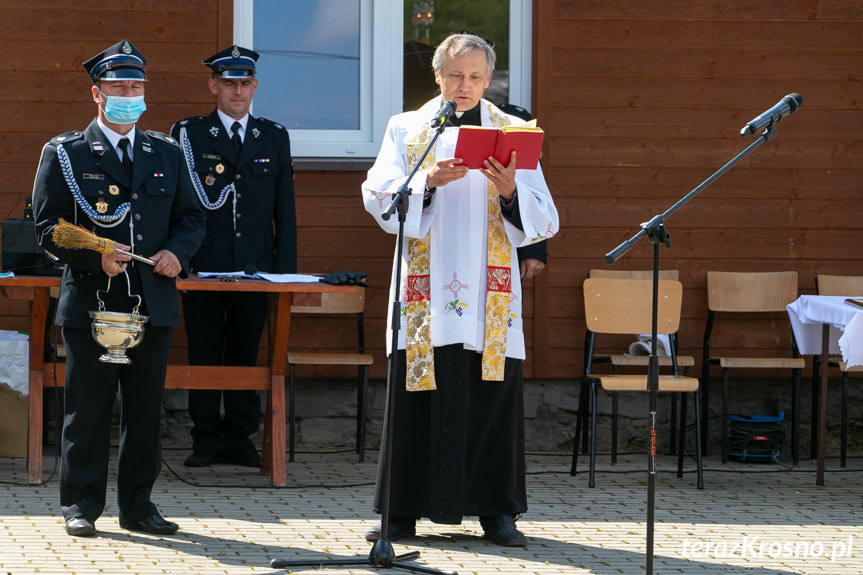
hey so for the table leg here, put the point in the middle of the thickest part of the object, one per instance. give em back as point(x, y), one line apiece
point(822, 402)
point(38, 320)
point(274, 450)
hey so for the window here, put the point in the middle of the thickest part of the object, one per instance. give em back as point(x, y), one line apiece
point(331, 71)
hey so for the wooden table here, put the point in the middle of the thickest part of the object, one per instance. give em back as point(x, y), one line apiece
point(269, 378)
point(824, 325)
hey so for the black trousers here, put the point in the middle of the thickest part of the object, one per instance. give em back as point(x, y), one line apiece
point(224, 329)
point(458, 450)
point(91, 389)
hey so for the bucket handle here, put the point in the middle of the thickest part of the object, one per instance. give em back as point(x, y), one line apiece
point(128, 293)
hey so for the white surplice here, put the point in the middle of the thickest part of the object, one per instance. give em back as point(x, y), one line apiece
point(457, 220)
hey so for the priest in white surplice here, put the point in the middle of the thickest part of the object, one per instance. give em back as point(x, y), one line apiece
point(458, 436)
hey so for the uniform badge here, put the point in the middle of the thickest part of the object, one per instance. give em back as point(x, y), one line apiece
point(214, 131)
point(210, 179)
point(235, 53)
point(101, 207)
point(113, 190)
point(220, 168)
point(126, 48)
point(256, 133)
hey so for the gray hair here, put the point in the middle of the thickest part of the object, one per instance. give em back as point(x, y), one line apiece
point(458, 45)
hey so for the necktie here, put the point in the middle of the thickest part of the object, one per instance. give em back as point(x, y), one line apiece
point(235, 139)
point(127, 161)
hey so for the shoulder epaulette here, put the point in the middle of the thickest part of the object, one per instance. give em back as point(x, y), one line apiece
point(67, 137)
point(189, 121)
point(275, 125)
point(163, 137)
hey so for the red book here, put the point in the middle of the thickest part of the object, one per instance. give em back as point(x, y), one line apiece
point(476, 143)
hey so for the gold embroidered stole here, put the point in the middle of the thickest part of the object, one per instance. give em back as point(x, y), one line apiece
point(419, 349)
point(499, 291)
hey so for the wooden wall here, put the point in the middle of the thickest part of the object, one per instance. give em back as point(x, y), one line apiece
point(641, 101)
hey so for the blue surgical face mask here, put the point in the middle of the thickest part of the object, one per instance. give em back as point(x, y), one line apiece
point(122, 109)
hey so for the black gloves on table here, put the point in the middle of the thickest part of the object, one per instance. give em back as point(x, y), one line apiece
point(348, 277)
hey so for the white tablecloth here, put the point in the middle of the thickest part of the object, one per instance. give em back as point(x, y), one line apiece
point(809, 312)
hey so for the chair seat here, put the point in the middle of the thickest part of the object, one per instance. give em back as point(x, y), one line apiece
point(617, 382)
point(844, 367)
point(330, 358)
point(641, 360)
point(763, 362)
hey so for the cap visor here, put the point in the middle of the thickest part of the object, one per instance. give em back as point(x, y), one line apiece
point(123, 74)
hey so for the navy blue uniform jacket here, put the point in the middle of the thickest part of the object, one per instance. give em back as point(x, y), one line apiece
point(264, 231)
point(165, 215)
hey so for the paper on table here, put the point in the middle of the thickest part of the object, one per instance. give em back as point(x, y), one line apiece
point(275, 278)
point(289, 278)
point(226, 275)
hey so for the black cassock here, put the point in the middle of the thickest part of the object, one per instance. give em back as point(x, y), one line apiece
point(458, 450)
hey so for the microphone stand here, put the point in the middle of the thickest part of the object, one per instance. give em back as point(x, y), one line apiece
point(657, 234)
point(382, 553)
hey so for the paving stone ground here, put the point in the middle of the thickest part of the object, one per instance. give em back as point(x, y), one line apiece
point(750, 519)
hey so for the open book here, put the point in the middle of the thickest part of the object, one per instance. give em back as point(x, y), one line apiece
point(476, 143)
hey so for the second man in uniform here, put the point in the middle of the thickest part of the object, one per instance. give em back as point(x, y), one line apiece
point(242, 171)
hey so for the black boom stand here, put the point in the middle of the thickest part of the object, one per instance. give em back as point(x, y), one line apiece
point(382, 553)
point(656, 234)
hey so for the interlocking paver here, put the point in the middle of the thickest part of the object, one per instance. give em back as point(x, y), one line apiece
point(749, 519)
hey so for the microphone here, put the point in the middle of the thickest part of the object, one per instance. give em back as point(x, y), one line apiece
point(784, 107)
point(443, 114)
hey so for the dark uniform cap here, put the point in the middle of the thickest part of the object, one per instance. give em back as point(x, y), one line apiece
point(122, 61)
point(233, 62)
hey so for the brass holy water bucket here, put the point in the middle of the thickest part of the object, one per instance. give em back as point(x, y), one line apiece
point(117, 331)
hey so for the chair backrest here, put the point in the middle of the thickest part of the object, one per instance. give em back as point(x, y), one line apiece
point(624, 306)
point(633, 274)
point(750, 291)
point(839, 285)
point(346, 304)
point(333, 303)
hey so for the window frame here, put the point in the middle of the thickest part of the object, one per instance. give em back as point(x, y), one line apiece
point(381, 77)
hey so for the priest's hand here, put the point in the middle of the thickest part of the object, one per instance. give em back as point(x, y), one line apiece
point(444, 172)
point(503, 177)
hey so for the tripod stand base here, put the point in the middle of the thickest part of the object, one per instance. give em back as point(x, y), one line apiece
point(381, 556)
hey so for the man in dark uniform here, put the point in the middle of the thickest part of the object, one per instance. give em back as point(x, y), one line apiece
point(132, 187)
point(242, 171)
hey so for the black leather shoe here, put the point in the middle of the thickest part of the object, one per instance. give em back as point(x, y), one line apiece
point(80, 527)
point(200, 459)
point(244, 458)
point(155, 524)
point(397, 528)
point(501, 529)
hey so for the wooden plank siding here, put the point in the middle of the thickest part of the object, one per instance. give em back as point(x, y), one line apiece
point(641, 101)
